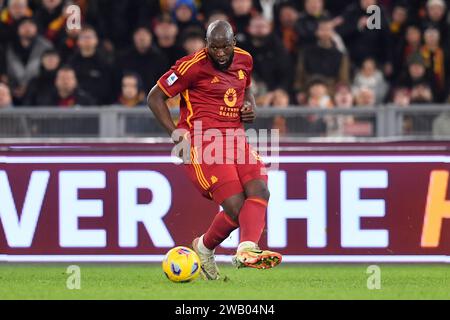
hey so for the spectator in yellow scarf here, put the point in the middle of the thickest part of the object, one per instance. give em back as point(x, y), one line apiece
point(435, 61)
point(9, 16)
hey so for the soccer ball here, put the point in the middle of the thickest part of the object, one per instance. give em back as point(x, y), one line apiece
point(181, 264)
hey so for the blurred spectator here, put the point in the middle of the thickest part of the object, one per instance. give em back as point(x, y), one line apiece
point(132, 93)
point(318, 94)
point(193, 40)
point(402, 97)
point(349, 125)
point(415, 73)
point(279, 4)
point(67, 43)
point(365, 97)
point(364, 43)
point(343, 97)
point(398, 27)
point(280, 99)
point(10, 16)
point(406, 47)
point(66, 92)
point(322, 59)
point(436, 17)
point(308, 21)
point(413, 40)
point(185, 14)
point(435, 61)
point(10, 126)
point(266, 8)
point(144, 59)
point(370, 77)
point(280, 123)
point(51, 19)
point(421, 94)
point(147, 10)
point(277, 98)
point(399, 21)
point(441, 125)
point(272, 65)
point(167, 6)
point(94, 75)
point(5, 97)
point(318, 97)
point(287, 19)
point(242, 13)
point(23, 56)
point(133, 96)
point(208, 7)
point(115, 21)
point(337, 7)
point(166, 33)
point(216, 15)
point(42, 85)
point(416, 124)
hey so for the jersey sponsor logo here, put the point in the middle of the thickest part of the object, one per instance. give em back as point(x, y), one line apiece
point(230, 97)
point(172, 79)
point(241, 75)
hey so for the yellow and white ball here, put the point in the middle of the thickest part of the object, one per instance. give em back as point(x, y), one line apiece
point(181, 264)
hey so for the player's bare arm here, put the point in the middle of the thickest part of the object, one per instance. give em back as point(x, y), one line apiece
point(156, 101)
point(248, 114)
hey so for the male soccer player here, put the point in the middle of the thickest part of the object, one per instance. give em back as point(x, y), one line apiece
point(214, 84)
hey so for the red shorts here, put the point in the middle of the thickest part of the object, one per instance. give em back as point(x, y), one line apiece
point(224, 175)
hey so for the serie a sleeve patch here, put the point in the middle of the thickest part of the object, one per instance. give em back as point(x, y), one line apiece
point(172, 79)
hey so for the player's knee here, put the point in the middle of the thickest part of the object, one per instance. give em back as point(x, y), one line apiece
point(257, 189)
point(233, 206)
point(268, 195)
point(264, 194)
point(233, 212)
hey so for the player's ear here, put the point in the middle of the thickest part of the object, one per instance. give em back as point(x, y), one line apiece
point(234, 41)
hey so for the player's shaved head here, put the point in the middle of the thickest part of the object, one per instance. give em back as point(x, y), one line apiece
point(220, 29)
point(220, 41)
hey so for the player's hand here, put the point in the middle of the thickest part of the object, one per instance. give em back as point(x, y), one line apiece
point(248, 114)
point(182, 148)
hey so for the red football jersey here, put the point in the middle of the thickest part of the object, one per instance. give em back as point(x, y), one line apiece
point(209, 95)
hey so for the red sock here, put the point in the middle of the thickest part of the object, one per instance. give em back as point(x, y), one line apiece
point(220, 229)
point(252, 219)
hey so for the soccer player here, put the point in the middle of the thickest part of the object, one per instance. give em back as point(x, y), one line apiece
point(214, 84)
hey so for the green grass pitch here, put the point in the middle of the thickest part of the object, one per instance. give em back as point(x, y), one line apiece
point(290, 282)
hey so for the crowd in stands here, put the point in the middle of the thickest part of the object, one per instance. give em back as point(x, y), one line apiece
point(310, 53)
